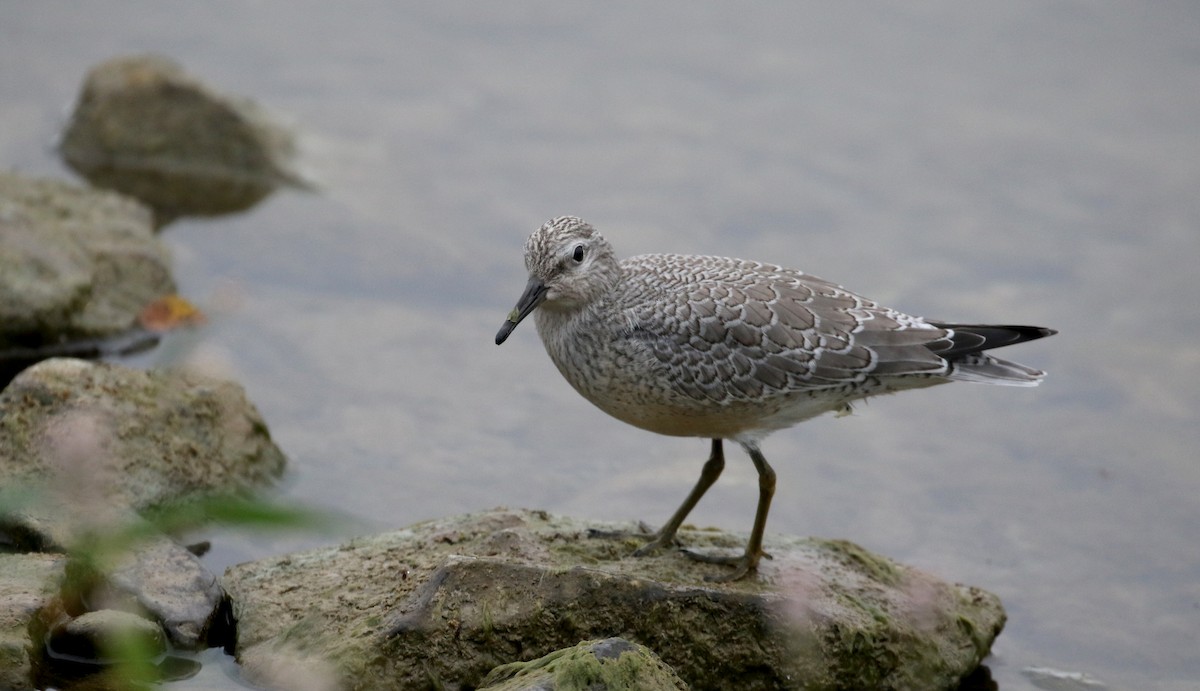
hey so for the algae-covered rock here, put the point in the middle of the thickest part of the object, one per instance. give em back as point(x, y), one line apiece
point(74, 263)
point(443, 602)
point(611, 664)
point(145, 127)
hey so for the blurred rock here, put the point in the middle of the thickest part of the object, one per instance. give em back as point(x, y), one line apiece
point(28, 584)
point(104, 650)
point(76, 265)
point(612, 664)
point(172, 586)
point(144, 127)
point(84, 447)
point(106, 635)
point(444, 602)
point(100, 435)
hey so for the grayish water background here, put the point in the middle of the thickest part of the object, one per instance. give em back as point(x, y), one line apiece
point(1012, 162)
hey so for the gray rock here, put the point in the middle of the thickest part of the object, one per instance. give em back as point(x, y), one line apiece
point(144, 127)
point(74, 263)
point(443, 602)
point(611, 664)
point(174, 587)
point(154, 575)
point(28, 585)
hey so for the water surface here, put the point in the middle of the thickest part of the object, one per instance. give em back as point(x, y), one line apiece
point(1017, 162)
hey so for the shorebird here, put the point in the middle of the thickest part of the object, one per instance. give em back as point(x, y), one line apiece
point(720, 348)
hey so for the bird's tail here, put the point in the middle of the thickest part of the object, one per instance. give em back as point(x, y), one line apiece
point(985, 369)
point(963, 347)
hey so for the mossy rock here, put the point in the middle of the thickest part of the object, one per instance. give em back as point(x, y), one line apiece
point(441, 603)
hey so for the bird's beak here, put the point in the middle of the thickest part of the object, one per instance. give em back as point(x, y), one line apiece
point(535, 292)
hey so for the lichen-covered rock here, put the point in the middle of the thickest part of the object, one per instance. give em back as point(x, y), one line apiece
point(611, 664)
point(144, 127)
point(74, 263)
point(443, 602)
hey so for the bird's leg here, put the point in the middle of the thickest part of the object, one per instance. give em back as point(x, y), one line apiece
point(748, 562)
point(708, 475)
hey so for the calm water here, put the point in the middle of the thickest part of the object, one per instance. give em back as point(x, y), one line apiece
point(1026, 162)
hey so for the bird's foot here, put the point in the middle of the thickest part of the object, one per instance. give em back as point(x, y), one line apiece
point(743, 565)
point(657, 539)
point(654, 545)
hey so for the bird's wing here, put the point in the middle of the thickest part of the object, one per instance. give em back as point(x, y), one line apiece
point(728, 329)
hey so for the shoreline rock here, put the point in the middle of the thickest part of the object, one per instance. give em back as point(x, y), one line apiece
point(86, 449)
point(76, 267)
point(446, 601)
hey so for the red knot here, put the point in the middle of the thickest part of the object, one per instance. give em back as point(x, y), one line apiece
point(720, 348)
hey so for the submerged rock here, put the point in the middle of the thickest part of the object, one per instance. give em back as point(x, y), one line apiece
point(443, 602)
point(105, 649)
point(612, 664)
point(76, 265)
point(145, 127)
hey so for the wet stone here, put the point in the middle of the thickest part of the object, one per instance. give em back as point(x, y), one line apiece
point(106, 635)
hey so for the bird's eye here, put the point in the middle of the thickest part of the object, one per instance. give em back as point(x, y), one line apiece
point(578, 255)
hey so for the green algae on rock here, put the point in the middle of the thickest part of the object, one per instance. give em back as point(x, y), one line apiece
point(611, 664)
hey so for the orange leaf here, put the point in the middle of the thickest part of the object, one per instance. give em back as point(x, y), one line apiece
point(170, 312)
